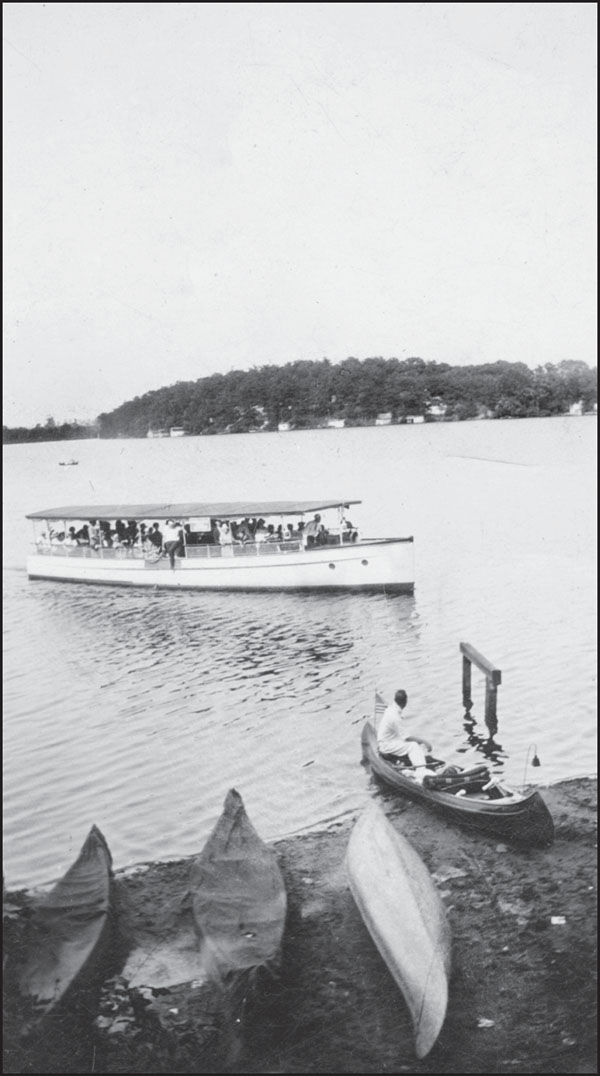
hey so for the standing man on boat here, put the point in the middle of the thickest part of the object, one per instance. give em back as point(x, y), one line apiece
point(172, 539)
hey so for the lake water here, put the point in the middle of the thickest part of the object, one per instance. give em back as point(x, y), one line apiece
point(137, 711)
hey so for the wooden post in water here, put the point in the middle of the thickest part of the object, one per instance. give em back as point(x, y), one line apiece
point(493, 677)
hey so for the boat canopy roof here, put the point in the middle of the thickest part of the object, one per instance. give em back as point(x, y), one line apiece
point(189, 510)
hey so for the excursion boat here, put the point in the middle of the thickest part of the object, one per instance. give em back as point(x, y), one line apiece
point(277, 555)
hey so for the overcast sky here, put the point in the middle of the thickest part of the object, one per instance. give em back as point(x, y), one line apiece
point(194, 188)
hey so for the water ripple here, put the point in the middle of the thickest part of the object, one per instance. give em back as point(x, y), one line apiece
point(138, 710)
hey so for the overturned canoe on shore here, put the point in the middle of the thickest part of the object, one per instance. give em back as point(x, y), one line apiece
point(71, 929)
point(404, 915)
point(468, 798)
point(238, 898)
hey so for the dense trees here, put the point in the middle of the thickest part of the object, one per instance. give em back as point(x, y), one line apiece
point(51, 431)
point(307, 394)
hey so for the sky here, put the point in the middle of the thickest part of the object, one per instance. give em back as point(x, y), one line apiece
point(193, 188)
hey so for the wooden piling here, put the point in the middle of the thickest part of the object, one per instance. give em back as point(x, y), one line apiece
point(493, 678)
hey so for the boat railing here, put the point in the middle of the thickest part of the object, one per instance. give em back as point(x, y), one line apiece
point(59, 549)
point(201, 552)
point(246, 549)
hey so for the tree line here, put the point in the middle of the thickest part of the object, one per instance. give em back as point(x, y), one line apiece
point(50, 431)
point(308, 394)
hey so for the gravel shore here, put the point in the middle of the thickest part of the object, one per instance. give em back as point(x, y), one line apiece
point(522, 991)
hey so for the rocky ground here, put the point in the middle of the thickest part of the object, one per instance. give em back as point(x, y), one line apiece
point(522, 991)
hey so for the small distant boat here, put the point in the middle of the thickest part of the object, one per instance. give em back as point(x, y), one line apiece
point(71, 930)
point(404, 915)
point(239, 901)
point(470, 797)
point(68, 463)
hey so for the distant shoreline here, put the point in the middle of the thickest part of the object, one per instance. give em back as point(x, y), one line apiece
point(14, 436)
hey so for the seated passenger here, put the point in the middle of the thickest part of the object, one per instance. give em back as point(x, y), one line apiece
point(225, 538)
point(261, 532)
point(190, 537)
point(310, 531)
point(120, 530)
point(235, 533)
point(105, 535)
point(155, 536)
point(395, 742)
point(131, 532)
point(71, 537)
point(244, 531)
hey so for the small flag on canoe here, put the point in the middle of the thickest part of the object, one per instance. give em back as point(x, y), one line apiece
point(379, 706)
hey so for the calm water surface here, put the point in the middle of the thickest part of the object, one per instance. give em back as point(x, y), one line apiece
point(137, 711)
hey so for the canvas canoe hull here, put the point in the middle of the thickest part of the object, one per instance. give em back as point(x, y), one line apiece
point(383, 564)
point(521, 818)
point(239, 899)
point(72, 930)
point(404, 914)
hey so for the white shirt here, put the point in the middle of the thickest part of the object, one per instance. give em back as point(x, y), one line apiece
point(170, 533)
point(391, 734)
point(225, 534)
point(312, 527)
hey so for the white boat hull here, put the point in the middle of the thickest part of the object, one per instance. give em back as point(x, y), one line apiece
point(404, 914)
point(380, 564)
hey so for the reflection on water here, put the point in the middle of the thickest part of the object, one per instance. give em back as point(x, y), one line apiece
point(486, 745)
point(137, 710)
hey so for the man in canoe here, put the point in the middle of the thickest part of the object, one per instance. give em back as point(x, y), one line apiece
point(394, 741)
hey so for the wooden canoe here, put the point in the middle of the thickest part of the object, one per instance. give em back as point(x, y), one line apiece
point(521, 817)
point(404, 915)
point(238, 898)
point(71, 929)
